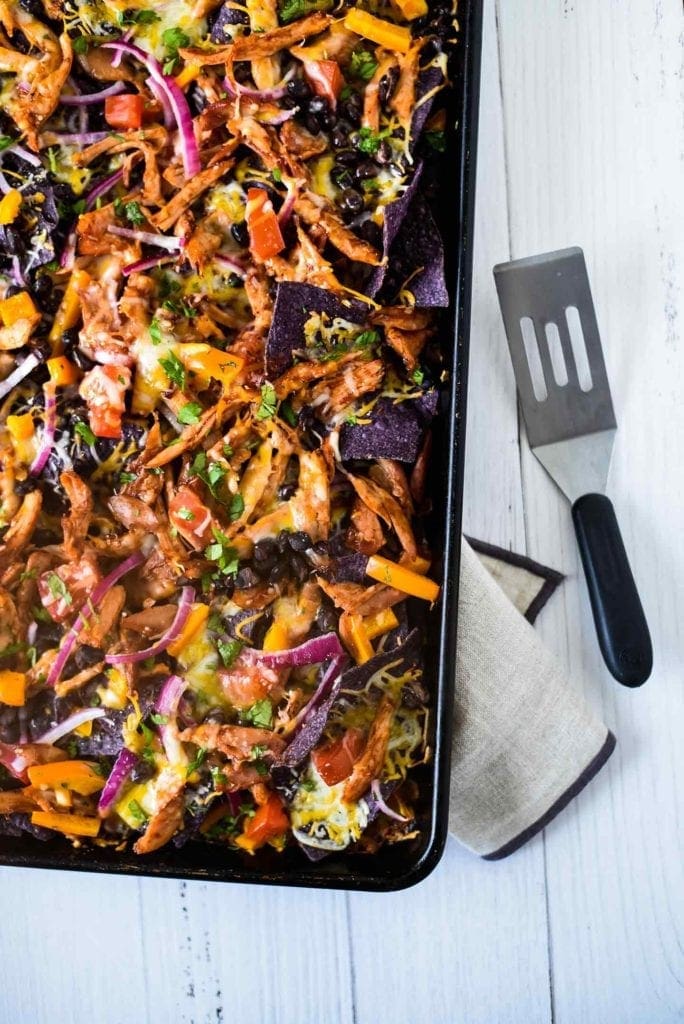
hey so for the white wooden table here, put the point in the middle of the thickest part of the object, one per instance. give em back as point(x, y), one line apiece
point(582, 142)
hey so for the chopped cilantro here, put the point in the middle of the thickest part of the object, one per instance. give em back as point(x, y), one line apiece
point(190, 413)
point(346, 92)
point(223, 553)
point(41, 614)
point(28, 574)
point(173, 39)
point(268, 404)
point(257, 751)
point(290, 10)
point(173, 368)
point(79, 207)
point(84, 431)
point(308, 785)
point(51, 154)
point(362, 65)
point(137, 814)
point(418, 376)
point(215, 622)
point(369, 142)
point(228, 650)
point(144, 17)
point(80, 44)
point(158, 719)
point(186, 513)
point(228, 450)
point(5, 142)
point(155, 332)
point(236, 508)
point(10, 649)
point(366, 339)
point(197, 761)
point(218, 777)
point(210, 473)
point(259, 714)
point(277, 175)
point(351, 420)
point(126, 478)
point(180, 307)
point(58, 589)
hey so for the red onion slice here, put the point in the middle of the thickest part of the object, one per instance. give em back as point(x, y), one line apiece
point(49, 427)
point(147, 264)
point(176, 99)
point(70, 723)
point(168, 242)
point(86, 99)
point(161, 97)
point(228, 263)
point(132, 562)
point(78, 138)
point(18, 374)
point(102, 188)
point(276, 93)
point(385, 808)
point(167, 705)
point(311, 652)
point(172, 633)
point(123, 767)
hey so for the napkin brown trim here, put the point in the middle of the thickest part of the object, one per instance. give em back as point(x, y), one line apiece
point(552, 578)
point(563, 800)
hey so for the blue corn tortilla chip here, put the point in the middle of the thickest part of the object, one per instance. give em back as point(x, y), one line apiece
point(294, 305)
point(349, 568)
point(394, 216)
point(406, 655)
point(227, 17)
point(416, 260)
point(396, 430)
point(428, 80)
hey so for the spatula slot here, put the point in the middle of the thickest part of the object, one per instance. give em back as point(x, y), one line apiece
point(579, 348)
point(553, 341)
point(534, 362)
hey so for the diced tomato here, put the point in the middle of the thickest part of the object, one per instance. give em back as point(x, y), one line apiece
point(244, 684)
point(191, 517)
point(325, 78)
point(124, 111)
point(269, 822)
point(65, 589)
point(265, 238)
point(104, 390)
point(334, 761)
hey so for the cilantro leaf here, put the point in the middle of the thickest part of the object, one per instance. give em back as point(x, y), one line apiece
point(137, 813)
point(228, 650)
point(186, 513)
point(155, 332)
point(58, 588)
point(362, 65)
point(84, 431)
point(197, 761)
point(259, 714)
point(79, 44)
point(190, 413)
point(268, 404)
point(369, 142)
point(436, 141)
point(173, 368)
point(289, 10)
point(236, 508)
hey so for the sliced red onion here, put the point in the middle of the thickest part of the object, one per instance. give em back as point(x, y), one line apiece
point(228, 263)
point(177, 102)
point(18, 374)
point(66, 260)
point(13, 760)
point(49, 426)
point(4, 184)
point(276, 93)
point(167, 705)
point(70, 723)
point(102, 188)
point(286, 209)
point(123, 767)
point(385, 808)
point(25, 154)
point(18, 273)
point(161, 97)
point(148, 264)
point(116, 59)
point(311, 652)
point(172, 633)
point(168, 242)
point(78, 138)
point(132, 562)
point(284, 115)
point(93, 97)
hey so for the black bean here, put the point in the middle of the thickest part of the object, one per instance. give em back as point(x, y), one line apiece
point(142, 771)
point(216, 717)
point(299, 540)
point(299, 89)
point(317, 105)
point(246, 578)
point(351, 202)
point(242, 71)
point(240, 233)
point(9, 725)
point(299, 567)
point(352, 108)
point(326, 620)
point(82, 361)
point(342, 177)
point(340, 134)
point(279, 571)
point(288, 103)
point(282, 542)
point(327, 120)
point(287, 491)
point(265, 552)
point(86, 656)
point(347, 157)
point(388, 84)
point(384, 153)
point(365, 170)
point(311, 124)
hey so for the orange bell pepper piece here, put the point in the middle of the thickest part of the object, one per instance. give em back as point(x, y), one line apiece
point(21, 427)
point(13, 688)
point(78, 776)
point(265, 238)
point(205, 362)
point(362, 649)
point(69, 824)
point(62, 371)
point(69, 311)
point(383, 622)
point(385, 33)
point(277, 637)
point(394, 575)
point(269, 822)
point(199, 613)
point(10, 204)
point(17, 307)
point(411, 9)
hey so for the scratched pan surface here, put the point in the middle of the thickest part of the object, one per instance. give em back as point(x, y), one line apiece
point(404, 864)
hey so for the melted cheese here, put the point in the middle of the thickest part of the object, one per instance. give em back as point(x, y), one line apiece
point(322, 819)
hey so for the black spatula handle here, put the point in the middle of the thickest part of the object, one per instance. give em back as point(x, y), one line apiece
point(619, 618)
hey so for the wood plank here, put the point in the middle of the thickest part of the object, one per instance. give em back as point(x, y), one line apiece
point(218, 953)
point(70, 948)
point(469, 944)
point(594, 140)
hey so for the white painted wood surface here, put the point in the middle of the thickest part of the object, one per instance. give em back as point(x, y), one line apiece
point(582, 142)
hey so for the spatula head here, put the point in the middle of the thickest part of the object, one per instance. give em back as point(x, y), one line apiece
point(560, 372)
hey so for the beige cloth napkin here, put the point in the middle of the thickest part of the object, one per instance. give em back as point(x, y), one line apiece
point(525, 742)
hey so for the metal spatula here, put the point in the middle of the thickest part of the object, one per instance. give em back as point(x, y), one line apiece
point(560, 372)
